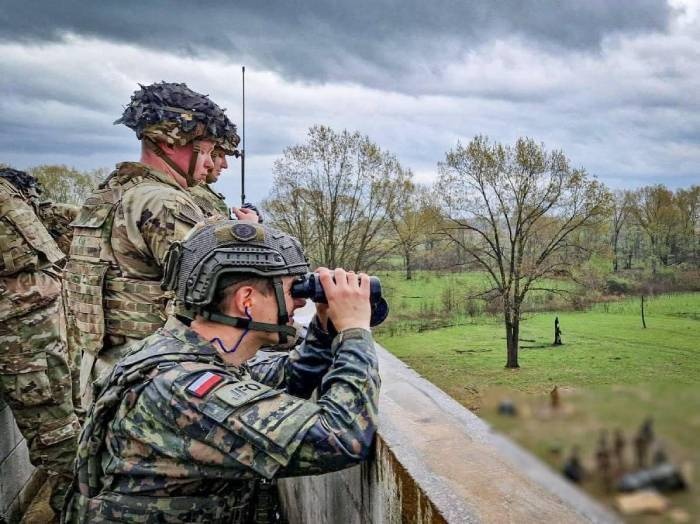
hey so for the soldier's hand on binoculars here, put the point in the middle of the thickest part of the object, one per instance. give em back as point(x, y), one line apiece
point(348, 298)
point(321, 307)
point(245, 214)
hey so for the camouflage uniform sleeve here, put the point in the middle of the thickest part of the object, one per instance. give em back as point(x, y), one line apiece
point(299, 371)
point(341, 435)
point(276, 434)
point(153, 217)
point(57, 217)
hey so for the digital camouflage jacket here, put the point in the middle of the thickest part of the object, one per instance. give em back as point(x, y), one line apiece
point(176, 435)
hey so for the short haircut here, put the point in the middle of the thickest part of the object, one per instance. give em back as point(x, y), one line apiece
point(229, 284)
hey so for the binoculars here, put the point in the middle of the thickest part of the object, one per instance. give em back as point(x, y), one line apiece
point(309, 286)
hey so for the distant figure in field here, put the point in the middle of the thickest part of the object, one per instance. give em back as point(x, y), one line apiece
point(643, 441)
point(554, 399)
point(640, 450)
point(660, 456)
point(602, 456)
point(647, 430)
point(619, 445)
point(557, 333)
point(573, 469)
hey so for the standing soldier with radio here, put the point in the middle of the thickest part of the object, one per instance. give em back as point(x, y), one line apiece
point(35, 371)
point(211, 202)
point(126, 226)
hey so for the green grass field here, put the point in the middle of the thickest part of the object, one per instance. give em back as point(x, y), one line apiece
point(435, 300)
point(610, 371)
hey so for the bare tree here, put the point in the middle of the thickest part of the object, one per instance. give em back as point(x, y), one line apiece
point(655, 212)
point(335, 193)
point(65, 184)
point(412, 219)
point(620, 210)
point(523, 208)
point(688, 205)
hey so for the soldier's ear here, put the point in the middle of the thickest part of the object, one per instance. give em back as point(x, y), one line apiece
point(168, 149)
point(242, 298)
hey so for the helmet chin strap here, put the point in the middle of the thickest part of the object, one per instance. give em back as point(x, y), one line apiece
point(248, 324)
point(189, 175)
point(193, 164)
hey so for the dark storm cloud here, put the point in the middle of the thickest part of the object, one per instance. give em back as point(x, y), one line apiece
point(367, 42)
point(611, 83)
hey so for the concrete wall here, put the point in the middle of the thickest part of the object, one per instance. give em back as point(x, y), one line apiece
point(18, 483)
point(436, 461)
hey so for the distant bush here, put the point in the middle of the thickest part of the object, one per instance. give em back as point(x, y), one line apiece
point(668, 280)
point(449, 300)
point(581, 302)
point(617, 286)
point(473, 308)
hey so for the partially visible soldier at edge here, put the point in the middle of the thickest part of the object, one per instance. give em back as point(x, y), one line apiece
point(125, 227)
point(57, 218)
point(35, 367)
point(214, 204)
point(183, 427)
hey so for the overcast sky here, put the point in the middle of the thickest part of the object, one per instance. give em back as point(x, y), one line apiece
point(614, 84)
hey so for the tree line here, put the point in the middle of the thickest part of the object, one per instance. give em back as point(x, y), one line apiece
point(519, 213)
point(354, 205)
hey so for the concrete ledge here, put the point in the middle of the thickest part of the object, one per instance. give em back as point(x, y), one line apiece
point(381, 490)
point(10, 436)
point(437, 462)
point(19, 481)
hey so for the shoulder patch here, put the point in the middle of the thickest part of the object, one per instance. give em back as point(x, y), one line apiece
point(204, 383)
point(186, 213)
point(239, 393)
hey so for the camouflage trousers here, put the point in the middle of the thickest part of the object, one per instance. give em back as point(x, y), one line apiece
point(36, 382)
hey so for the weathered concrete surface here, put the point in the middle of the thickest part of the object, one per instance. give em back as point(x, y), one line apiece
point(437, 462)
point(19, 480)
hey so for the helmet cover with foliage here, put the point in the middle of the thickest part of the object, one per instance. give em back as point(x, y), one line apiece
point(22, 180)
point(172, 113)
point(213, 252)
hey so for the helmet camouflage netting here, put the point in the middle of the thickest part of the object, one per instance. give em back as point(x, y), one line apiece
point(173, 113)
point(20, 179)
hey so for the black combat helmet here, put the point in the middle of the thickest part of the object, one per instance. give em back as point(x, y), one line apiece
point(203, 263)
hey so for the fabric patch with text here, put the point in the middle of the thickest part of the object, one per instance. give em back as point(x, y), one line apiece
point(240, 393)
point(204, 383)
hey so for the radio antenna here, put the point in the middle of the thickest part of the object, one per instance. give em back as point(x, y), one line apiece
point(243, 142)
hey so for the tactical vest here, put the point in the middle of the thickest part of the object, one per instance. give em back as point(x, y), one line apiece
point(209, 201)
point(101, 300)
point(25, 244)
point(86, 502)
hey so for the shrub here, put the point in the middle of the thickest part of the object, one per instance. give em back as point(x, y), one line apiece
point(617, 286)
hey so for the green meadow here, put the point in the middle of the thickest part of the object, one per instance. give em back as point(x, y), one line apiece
point(611, 373)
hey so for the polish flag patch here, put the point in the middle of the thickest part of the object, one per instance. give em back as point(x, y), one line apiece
point(204, 383)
